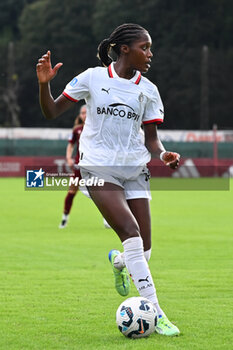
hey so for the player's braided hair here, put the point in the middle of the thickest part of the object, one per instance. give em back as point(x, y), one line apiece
point(125, 34)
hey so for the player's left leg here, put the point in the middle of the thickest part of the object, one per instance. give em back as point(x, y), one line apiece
point(140, 208)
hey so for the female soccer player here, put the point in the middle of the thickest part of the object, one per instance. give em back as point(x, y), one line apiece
point(118, 100)
point(74, 139)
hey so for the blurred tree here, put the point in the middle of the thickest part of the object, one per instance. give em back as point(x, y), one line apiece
point(179, 30)
point(72, 29)
point(10, 11)
point(3, 82)
point(204, 108)
point(10, 94)
point(65, 28)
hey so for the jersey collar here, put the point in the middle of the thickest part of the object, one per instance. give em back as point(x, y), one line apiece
point(112, 74)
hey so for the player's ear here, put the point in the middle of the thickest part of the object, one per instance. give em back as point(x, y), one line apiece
point(125, 49)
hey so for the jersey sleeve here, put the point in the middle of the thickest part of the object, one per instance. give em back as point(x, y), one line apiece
point(78, 88)
point(72, 138)
point(154, 111)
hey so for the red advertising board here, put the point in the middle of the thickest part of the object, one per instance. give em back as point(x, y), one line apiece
point(195, 167)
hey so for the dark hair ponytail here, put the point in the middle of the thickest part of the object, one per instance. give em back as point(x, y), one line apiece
point(77, 122)
point(103, 50)
point(125, 34)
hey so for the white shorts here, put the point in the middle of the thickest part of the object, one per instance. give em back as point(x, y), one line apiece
point(134, 180)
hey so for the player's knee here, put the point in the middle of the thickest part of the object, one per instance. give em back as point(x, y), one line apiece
point(130, 230)
point(72, 192)
point(147, 244)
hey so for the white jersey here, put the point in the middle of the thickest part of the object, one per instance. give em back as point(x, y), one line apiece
point(116, 108)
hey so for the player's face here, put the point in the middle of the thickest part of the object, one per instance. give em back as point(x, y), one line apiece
point(83, 113)
point(140, 54)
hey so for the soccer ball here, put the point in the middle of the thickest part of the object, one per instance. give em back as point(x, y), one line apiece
point(136, 317)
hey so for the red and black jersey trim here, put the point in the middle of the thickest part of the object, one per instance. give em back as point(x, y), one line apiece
point(157, 121)
point(110, 71)
point(69, 97)
point(138, 79)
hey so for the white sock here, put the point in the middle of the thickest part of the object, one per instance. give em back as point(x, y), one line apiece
point(147, 254)
point(119, 261)
point(159, 310)
point(65, 216)
point(138, 268)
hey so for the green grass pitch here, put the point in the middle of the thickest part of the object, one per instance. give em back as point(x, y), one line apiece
point(57, 289)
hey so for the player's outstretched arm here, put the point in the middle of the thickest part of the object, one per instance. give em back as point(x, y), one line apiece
point(155, 146)
point(45, 73)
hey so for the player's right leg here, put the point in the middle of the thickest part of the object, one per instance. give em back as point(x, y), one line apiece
point(106, 224)
point(110, 200)
point(68, 205)
point(140, 209)
point(122, 280)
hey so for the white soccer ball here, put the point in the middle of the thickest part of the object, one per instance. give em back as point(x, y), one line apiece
point(136, 317)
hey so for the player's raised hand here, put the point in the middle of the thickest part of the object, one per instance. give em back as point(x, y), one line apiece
point(170, 159)
point(44, 69)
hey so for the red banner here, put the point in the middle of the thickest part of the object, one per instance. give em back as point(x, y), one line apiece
point(195, 167)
